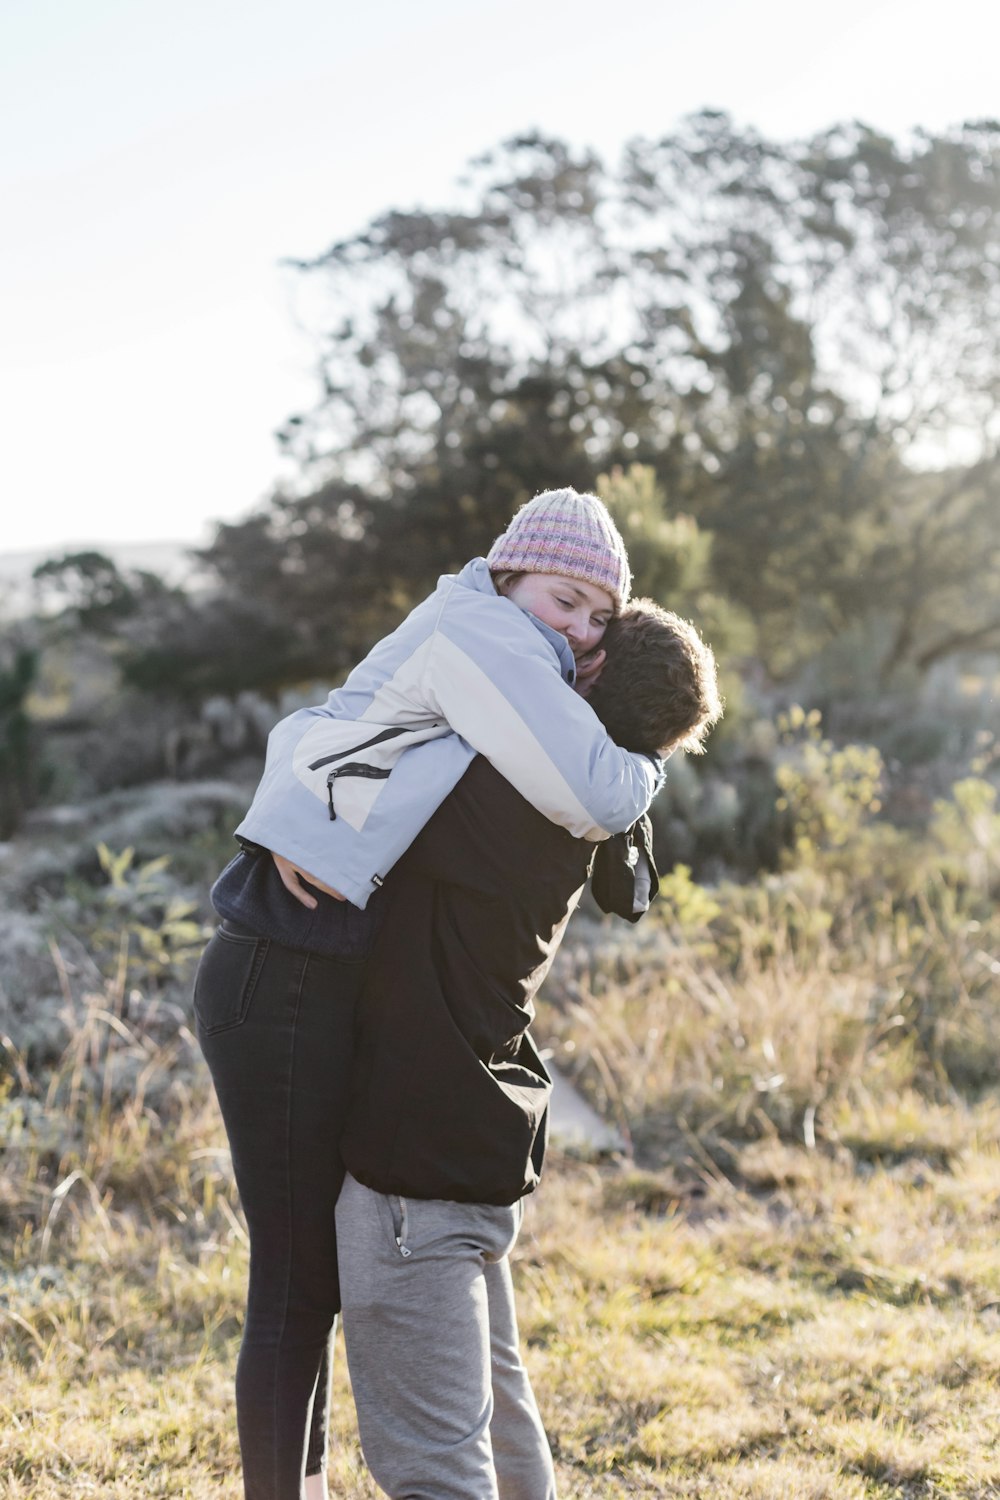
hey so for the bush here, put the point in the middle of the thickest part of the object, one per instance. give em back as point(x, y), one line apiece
point(820, 994)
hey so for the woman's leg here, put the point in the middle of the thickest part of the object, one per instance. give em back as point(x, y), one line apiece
point(319, 1426)
point(275, 1025)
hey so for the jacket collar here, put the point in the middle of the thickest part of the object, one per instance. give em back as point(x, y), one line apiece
point(476, 575)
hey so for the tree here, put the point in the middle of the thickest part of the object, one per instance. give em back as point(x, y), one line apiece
point(92, 588)
point(849, 291)
point(792, 336)
point(671, 557)
point(309, 570)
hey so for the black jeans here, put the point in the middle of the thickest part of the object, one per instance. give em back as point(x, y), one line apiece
point(275, 1025)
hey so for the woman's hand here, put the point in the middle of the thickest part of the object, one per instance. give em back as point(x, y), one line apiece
point(293, 875)
point(588, 669)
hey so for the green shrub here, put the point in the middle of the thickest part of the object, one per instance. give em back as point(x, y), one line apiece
point(865, 974)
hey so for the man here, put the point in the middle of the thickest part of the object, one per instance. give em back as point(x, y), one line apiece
point(446, 1124)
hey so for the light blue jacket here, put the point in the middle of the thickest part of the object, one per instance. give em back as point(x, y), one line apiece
point(467, 671)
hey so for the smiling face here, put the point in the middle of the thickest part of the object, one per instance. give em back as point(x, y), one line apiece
point(578, 610)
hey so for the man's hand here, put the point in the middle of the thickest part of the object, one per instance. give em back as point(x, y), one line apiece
point(588, 669)
point(292, 877)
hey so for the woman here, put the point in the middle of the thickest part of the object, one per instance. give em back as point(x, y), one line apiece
point(485, 665)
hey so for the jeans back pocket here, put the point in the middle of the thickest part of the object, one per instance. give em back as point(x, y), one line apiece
point(227, 976)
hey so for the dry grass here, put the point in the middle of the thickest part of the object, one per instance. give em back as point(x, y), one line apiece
point(793, 1294)
point(801, 1342)
point(807, 1328)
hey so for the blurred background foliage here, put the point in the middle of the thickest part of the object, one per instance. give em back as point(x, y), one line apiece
point(777, 362)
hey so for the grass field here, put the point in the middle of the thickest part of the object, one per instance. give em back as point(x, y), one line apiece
point(815, 1332)
point(791, 1292)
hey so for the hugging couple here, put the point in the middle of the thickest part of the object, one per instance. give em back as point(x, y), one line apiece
point(407, 869)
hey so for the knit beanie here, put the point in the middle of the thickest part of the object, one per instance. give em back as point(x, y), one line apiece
point(563, 532)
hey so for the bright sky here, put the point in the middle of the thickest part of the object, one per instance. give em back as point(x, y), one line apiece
point(159, 157)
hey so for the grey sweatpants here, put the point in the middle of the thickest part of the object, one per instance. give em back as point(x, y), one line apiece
point(445, 1407)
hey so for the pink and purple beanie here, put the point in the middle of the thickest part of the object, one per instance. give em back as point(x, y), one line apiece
point(563, 532)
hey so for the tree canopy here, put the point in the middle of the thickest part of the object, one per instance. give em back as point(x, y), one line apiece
point(799, 340)
point(781, 357)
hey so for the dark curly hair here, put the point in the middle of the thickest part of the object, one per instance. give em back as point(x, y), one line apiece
point(659, 689)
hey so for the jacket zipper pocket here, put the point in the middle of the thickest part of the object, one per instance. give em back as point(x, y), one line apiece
point(354, 768)
point(378, 739)
point(404, 1249)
